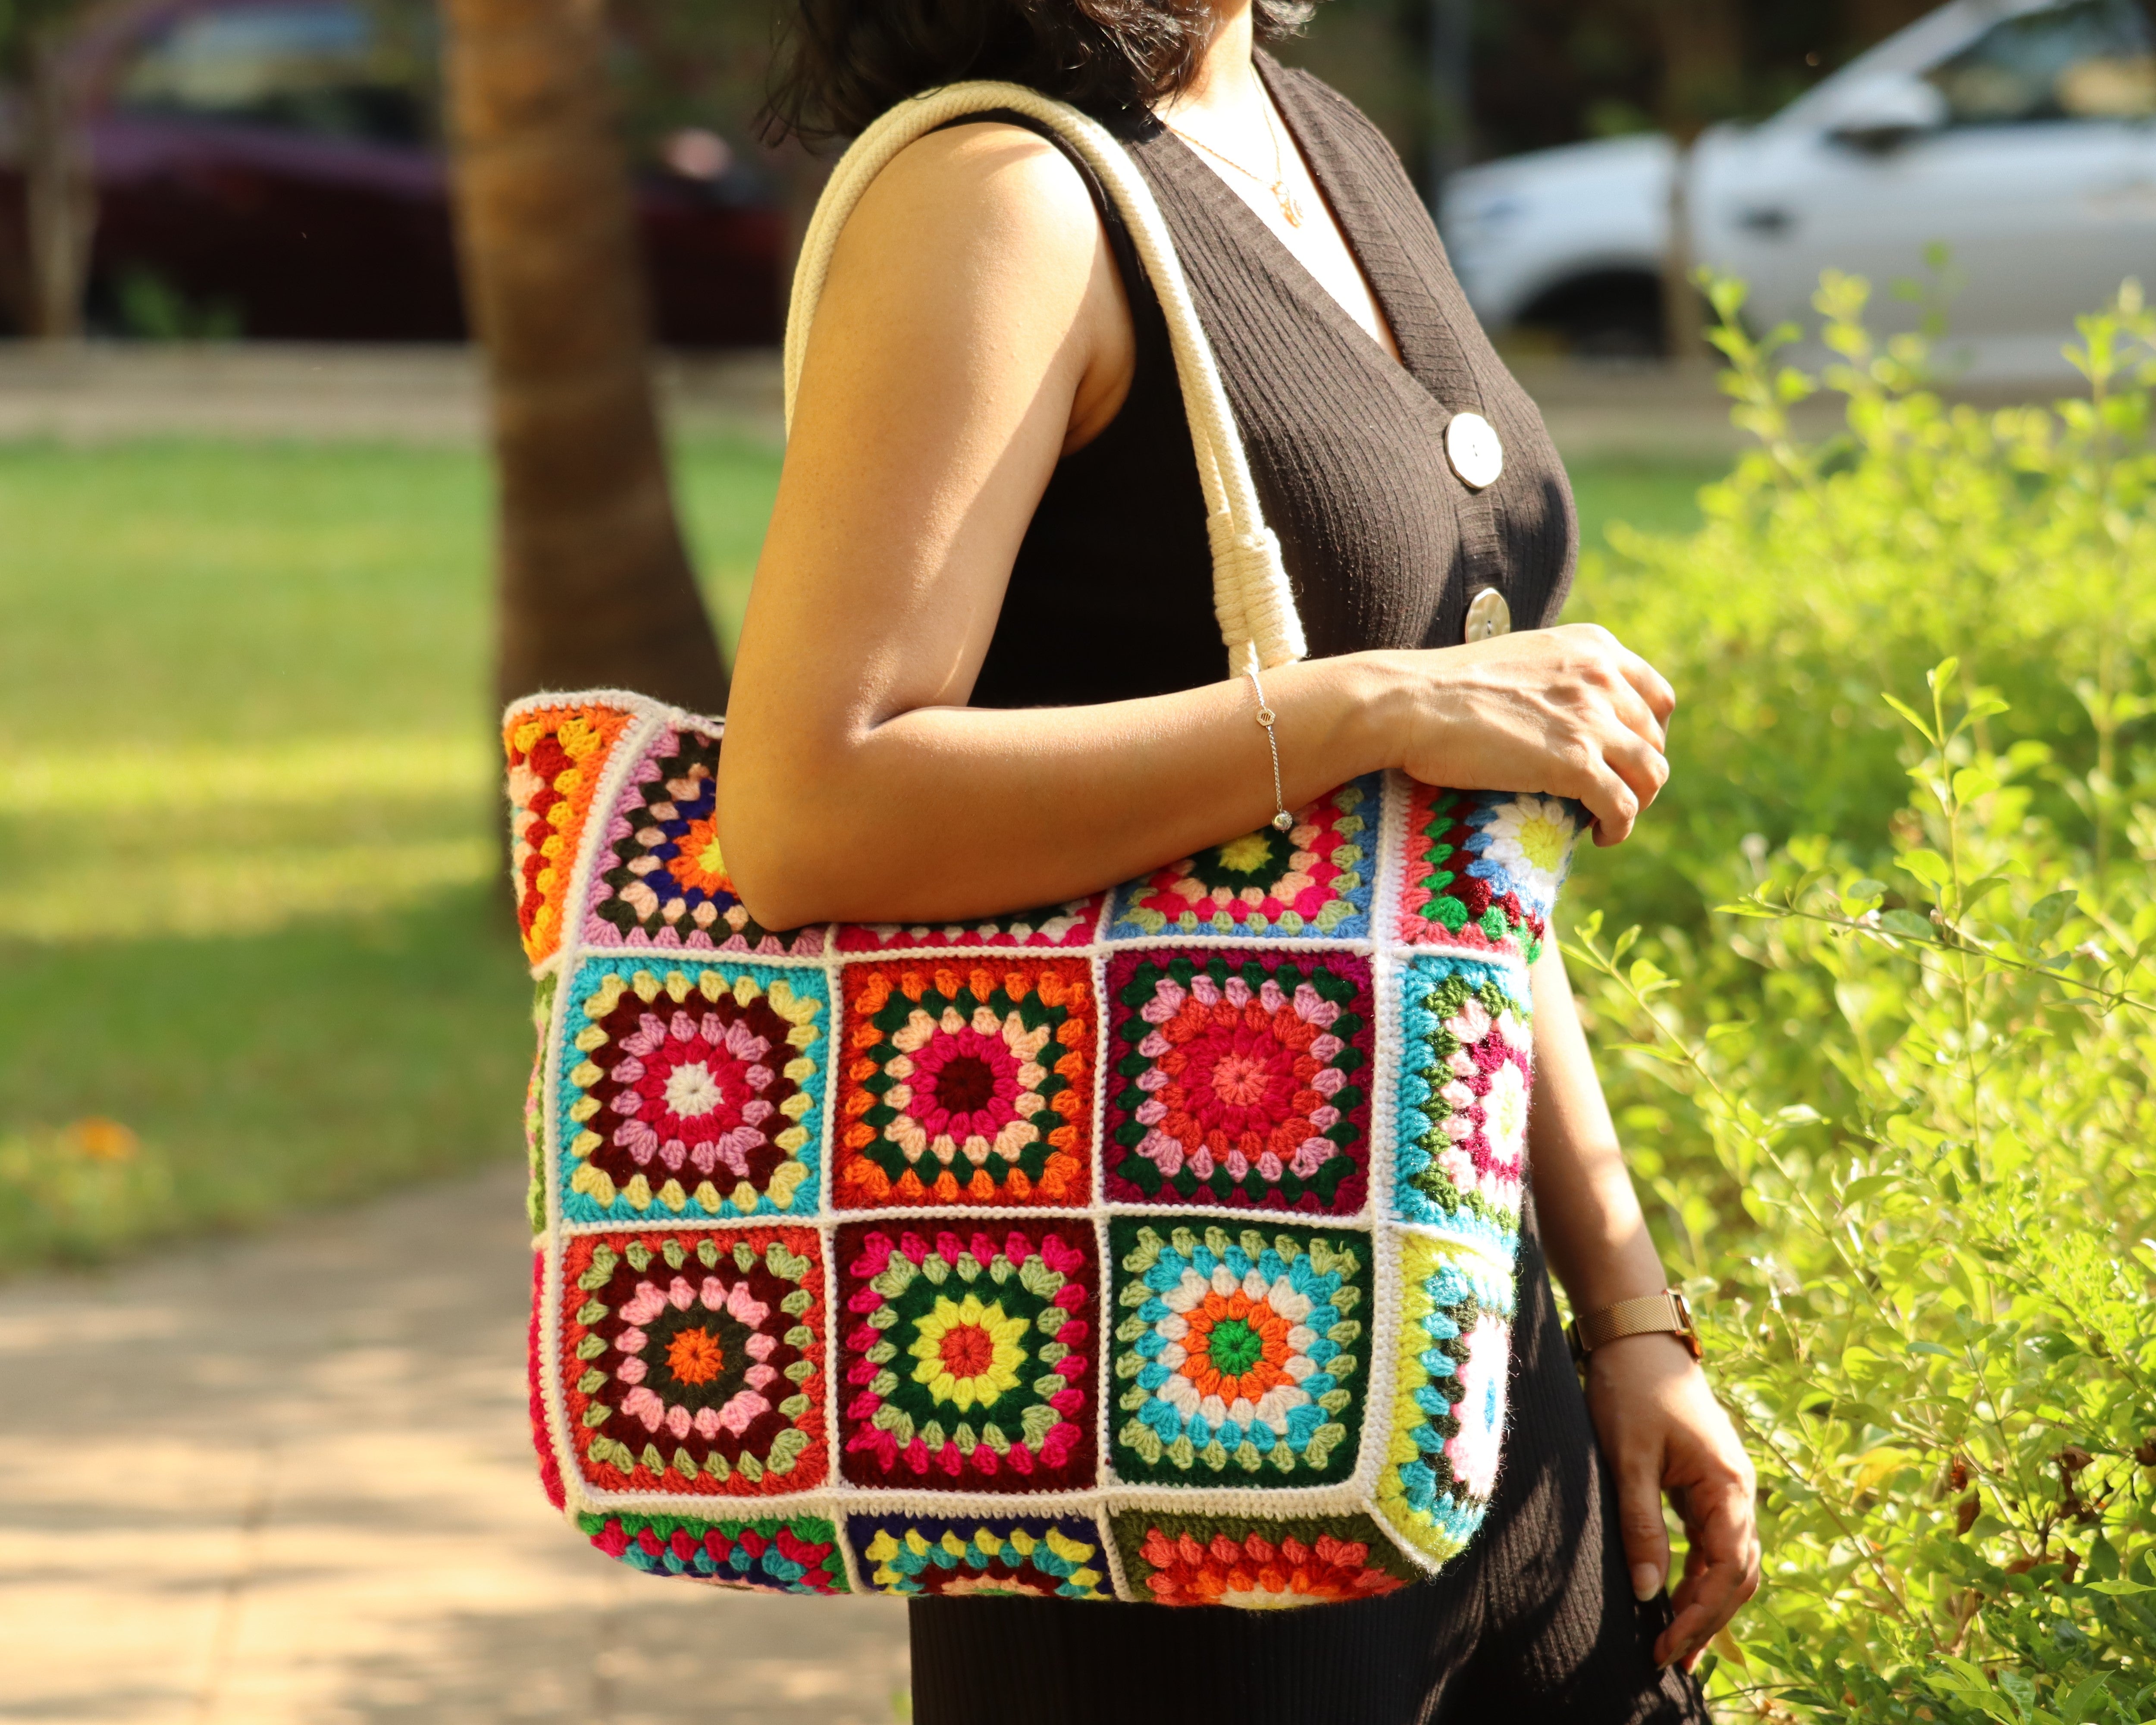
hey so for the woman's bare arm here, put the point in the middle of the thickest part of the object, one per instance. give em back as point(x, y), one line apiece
point(972, 331)
point(1661, 1428)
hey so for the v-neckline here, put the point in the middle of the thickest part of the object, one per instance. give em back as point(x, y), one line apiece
point(1297, 274)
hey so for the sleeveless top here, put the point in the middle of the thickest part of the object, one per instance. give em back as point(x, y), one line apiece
point(1110, 596)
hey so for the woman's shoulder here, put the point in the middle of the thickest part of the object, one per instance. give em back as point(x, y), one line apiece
point(988, 179)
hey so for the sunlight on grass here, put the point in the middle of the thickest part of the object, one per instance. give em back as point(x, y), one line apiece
point(200, 840)
point(301, 774)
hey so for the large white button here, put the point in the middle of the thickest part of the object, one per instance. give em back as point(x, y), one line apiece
point(1488, 615)
point(1471, 446)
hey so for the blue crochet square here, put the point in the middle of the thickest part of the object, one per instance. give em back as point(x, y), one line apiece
point(1240, 1354)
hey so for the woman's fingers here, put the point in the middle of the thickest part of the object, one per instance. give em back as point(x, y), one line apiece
point(1640, 1521)
point(1610, 799)
point(1652, 687)
point(1721, 1567)
point(1637, 714)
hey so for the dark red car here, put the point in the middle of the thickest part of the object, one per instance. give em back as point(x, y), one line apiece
point(272, 168)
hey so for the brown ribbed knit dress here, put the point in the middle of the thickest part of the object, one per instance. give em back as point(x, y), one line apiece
point(1111, 598)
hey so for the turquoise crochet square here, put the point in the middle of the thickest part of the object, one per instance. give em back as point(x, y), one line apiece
point(1460, 1132)
point(692, 1087)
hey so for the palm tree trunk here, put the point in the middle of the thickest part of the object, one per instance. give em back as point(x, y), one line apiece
point(60, 196)
point(595, 585)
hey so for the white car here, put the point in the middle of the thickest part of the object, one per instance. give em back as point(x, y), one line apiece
point(2019, 134)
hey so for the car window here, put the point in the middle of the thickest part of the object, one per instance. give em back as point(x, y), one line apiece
point(2092, 59)
point(346, 69)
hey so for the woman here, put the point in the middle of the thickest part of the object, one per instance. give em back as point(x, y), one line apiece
point(982, 637)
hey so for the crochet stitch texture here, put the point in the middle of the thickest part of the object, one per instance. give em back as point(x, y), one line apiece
point(1157, 1246)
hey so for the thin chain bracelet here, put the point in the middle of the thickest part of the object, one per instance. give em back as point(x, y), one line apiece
point(1283, 820)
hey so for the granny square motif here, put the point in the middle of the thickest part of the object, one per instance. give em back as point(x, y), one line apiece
point(1155, 1246)
point(1239, 1078)
point(967, 1079)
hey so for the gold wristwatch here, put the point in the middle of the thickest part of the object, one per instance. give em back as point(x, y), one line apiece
point(1668, 1312)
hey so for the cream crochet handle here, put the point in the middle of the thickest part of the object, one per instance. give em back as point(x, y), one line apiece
point(1250, 593)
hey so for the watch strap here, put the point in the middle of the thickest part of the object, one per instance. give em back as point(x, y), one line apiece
point(1668, 1312)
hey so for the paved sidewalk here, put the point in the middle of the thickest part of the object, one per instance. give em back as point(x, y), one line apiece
point(286, 1481)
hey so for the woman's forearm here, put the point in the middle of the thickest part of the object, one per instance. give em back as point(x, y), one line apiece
point(1592, 1227)
point(995, 809)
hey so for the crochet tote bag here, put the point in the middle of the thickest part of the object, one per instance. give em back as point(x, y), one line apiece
point(1156, 1246)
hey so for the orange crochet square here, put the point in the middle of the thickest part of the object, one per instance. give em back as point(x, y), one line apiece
point(966, 1083)
point(556, 756)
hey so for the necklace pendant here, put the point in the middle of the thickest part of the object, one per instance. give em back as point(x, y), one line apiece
point(1290, 207)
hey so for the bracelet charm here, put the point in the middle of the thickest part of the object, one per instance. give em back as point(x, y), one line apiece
point(1283, 820)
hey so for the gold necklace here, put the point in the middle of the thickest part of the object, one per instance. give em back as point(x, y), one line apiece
point(1283, 194)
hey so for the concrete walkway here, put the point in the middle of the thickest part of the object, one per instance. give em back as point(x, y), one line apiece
point(286, 1481)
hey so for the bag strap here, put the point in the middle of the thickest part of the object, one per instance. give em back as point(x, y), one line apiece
point(1251, 596)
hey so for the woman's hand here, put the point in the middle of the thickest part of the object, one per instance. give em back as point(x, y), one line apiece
point(1567, 712)
point(1663, 1431)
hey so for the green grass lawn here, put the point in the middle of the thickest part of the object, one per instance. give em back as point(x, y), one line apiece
point(250, 953)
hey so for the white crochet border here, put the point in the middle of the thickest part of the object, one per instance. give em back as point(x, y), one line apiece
point(836, 1499)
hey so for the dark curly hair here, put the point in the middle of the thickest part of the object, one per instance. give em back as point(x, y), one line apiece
point(841, 63)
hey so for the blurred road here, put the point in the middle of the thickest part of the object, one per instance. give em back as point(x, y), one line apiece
point(99, 390)
point(286, 1481)
point(107, 390)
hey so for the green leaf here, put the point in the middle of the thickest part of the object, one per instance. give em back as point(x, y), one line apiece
point(1928, 866)
point(2047, 913)
point(1908, 925)
point(1972, 783)
point(1923, 725)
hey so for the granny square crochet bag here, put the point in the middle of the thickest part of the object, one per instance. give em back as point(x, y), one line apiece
point(1156, 1246)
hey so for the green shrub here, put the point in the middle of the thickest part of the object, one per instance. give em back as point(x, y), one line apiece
point(1896, 1101)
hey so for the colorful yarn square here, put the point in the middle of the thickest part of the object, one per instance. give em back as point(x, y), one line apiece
point(1240, 1078)
point(1312, 879)
point(1180, 1559)
point(661, 880)
point(697, 1090)
point(800, 1556)
point(1032, 1557)
point(556, 756)
point(966, 1083)
point(1460, 1131)
point(691, 1361)
point(966, 1362)
point(1067, 924)
point(1483, 869)
point(1238, 1356)
point(1453, 1354)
